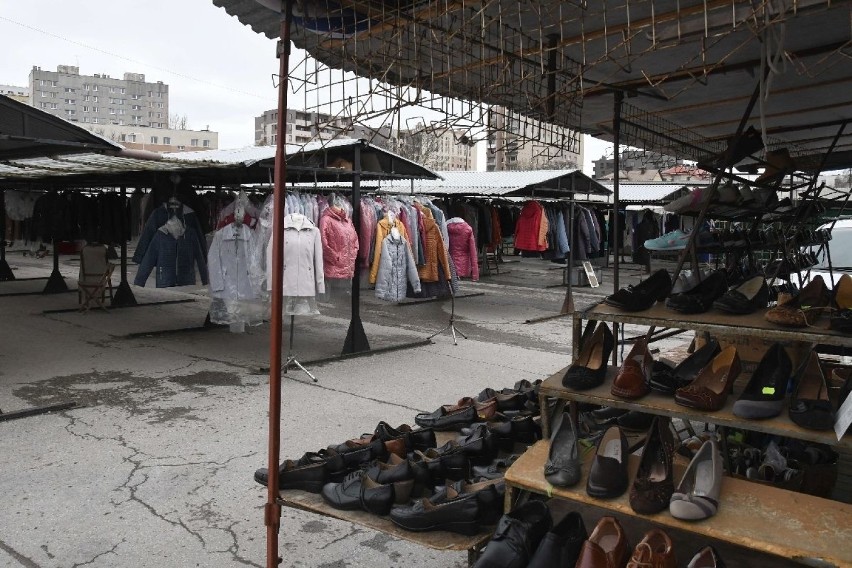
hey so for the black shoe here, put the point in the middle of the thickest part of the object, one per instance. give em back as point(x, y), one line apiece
point(689, 368)
point(448, 417)
point(635, 421)
point(608, 474)
point(655, 288)
point(562, 467)
point(562, 544)
point(608, 413)
point(309, 473)
point(460, 507)
point(663, 378)
point(421, 439)
point(345, 495)
point(701, 298)
point(517, 536)
point(750, 296)
point(450, 464)
point(360, 451)
point(589, 369)
point(765, 392)
point(494, 470)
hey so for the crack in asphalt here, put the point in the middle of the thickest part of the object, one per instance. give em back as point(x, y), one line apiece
point(92, 561)
point(353, 530)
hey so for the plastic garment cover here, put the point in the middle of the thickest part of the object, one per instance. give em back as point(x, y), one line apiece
point(234, 299)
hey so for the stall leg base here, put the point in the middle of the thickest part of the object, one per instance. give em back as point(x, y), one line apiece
point(55, 284)
point(5, 272)
point(123, 296)
point(356, 338)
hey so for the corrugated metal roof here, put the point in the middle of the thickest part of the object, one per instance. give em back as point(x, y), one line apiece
point(31, 169)
point(650, 192)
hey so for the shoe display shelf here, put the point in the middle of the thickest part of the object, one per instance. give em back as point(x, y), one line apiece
point(803, 528)
point(438, 540)
point(808, 529)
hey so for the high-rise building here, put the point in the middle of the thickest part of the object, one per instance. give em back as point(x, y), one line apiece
point(519, 143)
point(638, 161)
point(435, 147)
point(100, 99)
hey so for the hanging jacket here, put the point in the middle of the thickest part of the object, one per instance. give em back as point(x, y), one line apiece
point(303, 266)
point(528, 227)
point(562, 246)
point(158, 218)
point(434, 251)
point(227, 263)
point(463, 248)
point(396, 269)
point(175, 255)
point(339, 243)
point(383, 229)
point(366, 233)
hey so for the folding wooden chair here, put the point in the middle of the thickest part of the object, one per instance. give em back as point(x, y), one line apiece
point(95, 278)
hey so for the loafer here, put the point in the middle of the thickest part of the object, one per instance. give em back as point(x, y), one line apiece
point(746, 298)
point(309, 473)
point(494, 470)
point(707, 557)
point(764, 394)
point(608, 474)
point(357, 451)
point(454, 513)
point(606, 547)
point(634, 376)
point(654, 483)
point(562, 468)
point(701, 298)
point(490, 495)
point(516, 537)
point(810, 406)
point(589, 369)
point(512, 400)
point(655, 288)
point(421, 439)
point(448, 417)
point(697, 494)
point(655, 550)
point(561, 545)
point(450, 464)
point(397, 473)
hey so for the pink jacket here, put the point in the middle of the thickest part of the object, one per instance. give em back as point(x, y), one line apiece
point(463, 248)
point(339, 243)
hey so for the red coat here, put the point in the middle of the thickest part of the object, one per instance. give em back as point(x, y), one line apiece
point(463, 249)
point(339, 243)
point(528, 227)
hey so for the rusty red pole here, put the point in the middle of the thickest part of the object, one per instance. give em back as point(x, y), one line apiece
point(272, 511)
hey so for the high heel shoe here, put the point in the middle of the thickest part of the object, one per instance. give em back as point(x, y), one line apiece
point(697, 494)
point(710, 388)
point(804, 309)
point(589, 370)
point(810, 406)
point(763, 396)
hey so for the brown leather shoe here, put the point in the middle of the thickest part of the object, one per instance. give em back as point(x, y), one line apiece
point(653, 551)
point(635, 374)
point(710, 388)
point(804, 309)
point(607, 546)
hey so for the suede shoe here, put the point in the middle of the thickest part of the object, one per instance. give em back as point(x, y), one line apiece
point(606, 547)
point(654, 482)
point(517, 536)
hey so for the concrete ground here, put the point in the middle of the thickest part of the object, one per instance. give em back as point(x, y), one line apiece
point(154, 466)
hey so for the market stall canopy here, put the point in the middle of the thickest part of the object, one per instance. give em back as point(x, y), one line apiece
point(652, 193)
point(687, 67)
point(534, 183)
point(26, 132)
point(321, 161)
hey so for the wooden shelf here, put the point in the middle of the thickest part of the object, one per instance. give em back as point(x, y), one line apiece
point(720, 324)
point(801, 527)
point(439, 540)
point(656, 403)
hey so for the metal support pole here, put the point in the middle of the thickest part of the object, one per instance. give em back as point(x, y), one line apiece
point(618, 99)
point(55, 283)
point(123, 296)
point(568, 304)
point(5, 271)
point(272, 510)
point(356, 338)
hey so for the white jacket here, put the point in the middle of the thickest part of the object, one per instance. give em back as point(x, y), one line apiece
point(227, 263)
point(303, 269)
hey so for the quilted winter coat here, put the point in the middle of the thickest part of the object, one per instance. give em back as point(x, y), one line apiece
point(527, 230)
point(383, 229)
point(396, 269)
point(339, 243)
point(433, 251)
point(463, 248)
point(175, 257)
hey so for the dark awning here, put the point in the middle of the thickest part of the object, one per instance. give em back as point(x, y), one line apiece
point(26, 132)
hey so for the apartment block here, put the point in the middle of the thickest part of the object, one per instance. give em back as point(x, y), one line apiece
point(157, 139)
point(302, 127)
point(100, 99)
point(519, 143)
point(20, 94)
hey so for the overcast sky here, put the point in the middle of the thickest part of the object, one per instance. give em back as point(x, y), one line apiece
point(219, 72)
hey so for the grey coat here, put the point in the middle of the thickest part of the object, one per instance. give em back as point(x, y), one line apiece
point(396, 269)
